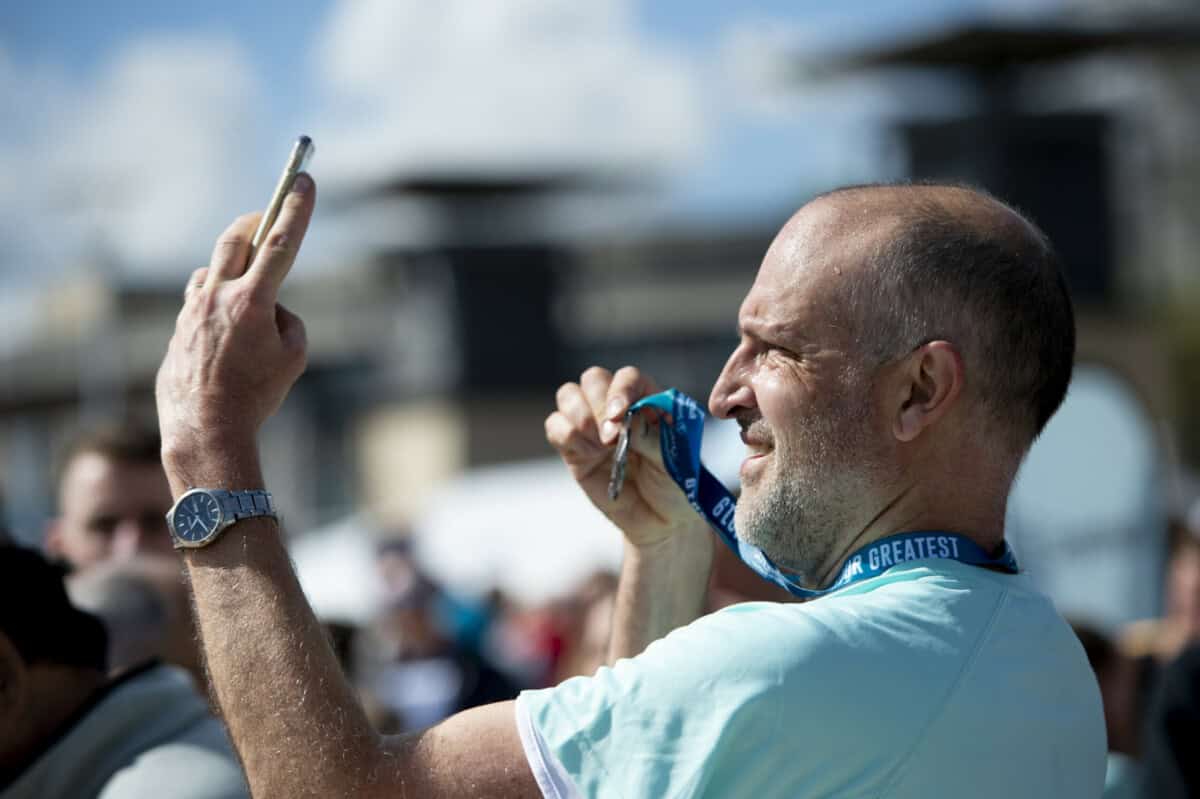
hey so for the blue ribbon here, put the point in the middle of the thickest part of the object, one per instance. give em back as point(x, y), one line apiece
point(680, 441)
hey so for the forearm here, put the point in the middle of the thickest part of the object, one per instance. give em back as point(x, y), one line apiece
point(662, 586)
point(296, 724)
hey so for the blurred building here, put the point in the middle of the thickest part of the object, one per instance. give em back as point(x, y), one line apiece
point(438, 354)
point(441, 351)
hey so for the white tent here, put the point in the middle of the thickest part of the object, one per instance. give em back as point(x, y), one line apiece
point(528, 529)
point(337, 569)
point(523, 527)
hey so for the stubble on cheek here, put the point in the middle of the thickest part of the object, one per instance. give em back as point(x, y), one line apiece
point(797, 507)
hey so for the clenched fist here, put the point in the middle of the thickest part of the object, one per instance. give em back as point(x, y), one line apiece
point(236, 351)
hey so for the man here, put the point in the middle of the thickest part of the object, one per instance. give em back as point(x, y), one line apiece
point(67, 731)
point(900, 349)
point(112, 501)
point(134, 614)
point(112, 497)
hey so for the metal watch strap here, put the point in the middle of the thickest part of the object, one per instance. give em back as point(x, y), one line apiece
point(238, 505)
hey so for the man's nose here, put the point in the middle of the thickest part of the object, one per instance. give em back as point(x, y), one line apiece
point(732, 391)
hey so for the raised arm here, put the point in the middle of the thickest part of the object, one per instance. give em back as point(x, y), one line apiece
point(294, 721)
point(668, 548)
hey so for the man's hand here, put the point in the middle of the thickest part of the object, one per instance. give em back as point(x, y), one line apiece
point(236, 352)
point(584, 429)
point(668, 550)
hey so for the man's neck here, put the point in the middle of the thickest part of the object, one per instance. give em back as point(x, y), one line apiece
point(56, 694)
point(982, 522)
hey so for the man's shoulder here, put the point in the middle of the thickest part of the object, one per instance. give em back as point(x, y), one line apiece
point(196, 763)
point(893, 607)
point(920, 622)
point(149, 735)
point(174, 741)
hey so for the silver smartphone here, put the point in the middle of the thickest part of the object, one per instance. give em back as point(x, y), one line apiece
point(302, 151)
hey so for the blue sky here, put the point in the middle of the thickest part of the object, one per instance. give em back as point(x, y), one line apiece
point(131, 119)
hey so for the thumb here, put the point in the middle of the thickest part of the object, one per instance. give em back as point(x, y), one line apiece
point(645, 432)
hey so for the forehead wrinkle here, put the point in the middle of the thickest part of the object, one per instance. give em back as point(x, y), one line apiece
point(777, 320)
point(757, 327)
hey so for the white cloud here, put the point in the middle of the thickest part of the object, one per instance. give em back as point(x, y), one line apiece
point(776, 70)
point(502, 86)
point(141, 161)
point(138, 165)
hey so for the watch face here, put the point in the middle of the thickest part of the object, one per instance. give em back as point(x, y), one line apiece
point(196, 518)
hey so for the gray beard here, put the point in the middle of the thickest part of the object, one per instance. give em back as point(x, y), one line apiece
point(790, 521)
point(805, 508)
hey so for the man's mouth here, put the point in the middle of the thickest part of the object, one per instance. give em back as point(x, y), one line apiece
point(757, 442)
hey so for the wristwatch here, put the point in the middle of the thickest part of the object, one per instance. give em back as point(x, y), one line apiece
point(202, 514)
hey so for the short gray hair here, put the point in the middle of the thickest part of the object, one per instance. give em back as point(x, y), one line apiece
point(994, 291)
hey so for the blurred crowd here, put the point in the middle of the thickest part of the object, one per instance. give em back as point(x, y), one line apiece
point(100, 666)
point(1149, 676)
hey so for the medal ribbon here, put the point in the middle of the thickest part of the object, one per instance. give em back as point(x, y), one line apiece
point(680, 442)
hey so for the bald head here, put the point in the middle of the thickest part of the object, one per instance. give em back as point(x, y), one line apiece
point(945, 262)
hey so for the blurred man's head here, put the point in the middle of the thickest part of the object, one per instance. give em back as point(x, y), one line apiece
point(52, 656)
point(893, 335)
point(144, 604)
point(134, 613)
point(112, 497)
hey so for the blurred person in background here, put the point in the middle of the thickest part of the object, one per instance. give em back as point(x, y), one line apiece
point(1171, 751)
point(432, 665)
point(144, 605)
point(132, 611)
point(585, 622)
point(900, 349)
point(112, 497)
point(1117, 675)
point(69, 731)
point(1165, 638)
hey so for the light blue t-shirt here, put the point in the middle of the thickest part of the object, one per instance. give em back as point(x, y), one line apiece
point(935, 679)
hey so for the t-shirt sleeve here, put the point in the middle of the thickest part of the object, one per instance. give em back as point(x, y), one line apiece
point(551, 778)
point(698, 712)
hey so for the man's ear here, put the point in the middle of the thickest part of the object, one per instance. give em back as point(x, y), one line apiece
point(930, 381)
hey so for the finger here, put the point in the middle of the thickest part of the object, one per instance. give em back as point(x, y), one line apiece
point(594, 382)
point(274, 259)
point(644, 435)
point(233, 247)
point(573, 405)
point(566, 437)
point(628, 386)
point(196, 280)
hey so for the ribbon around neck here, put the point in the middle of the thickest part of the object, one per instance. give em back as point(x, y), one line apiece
point(680, 442)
